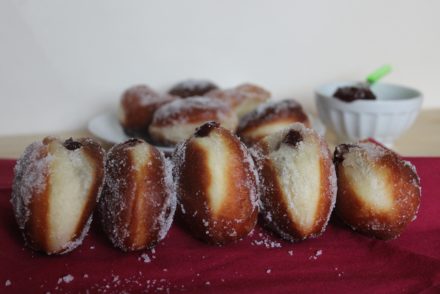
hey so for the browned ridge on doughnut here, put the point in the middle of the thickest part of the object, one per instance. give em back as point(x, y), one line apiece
point(177, 121)
point(243, 98)
point(138, 200)
point(269, 118)
point(192, 87)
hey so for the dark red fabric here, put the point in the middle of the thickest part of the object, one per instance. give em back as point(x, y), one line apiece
point(348, 263)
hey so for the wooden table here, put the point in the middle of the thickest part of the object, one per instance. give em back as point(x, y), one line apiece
point(422, 139)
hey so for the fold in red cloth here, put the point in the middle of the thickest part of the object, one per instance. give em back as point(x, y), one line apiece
point(339, 261)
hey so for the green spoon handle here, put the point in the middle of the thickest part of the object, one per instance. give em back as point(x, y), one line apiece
point(378, 74)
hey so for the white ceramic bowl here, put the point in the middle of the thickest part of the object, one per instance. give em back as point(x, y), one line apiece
point(384, 119)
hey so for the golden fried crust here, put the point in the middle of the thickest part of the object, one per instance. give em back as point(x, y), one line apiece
point(327, 202)
point(191, 88)
point(237, 214)
point(176, 121)
point(282, 117)
point(239, 94)
point(133, 197)
point(271, 198)
point(192, 190)
point(145, 211)
point(401, 180)
point(282, 114)
point(196, 115)
point(138, 106)
point(275, 205)
point(114, 196)
point(96, 154)
point(36, 228)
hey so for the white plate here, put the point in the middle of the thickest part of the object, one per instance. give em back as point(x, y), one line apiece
point(106, 127)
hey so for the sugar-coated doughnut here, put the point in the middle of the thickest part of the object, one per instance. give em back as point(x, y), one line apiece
point(378, 192)
point(243, 98)
point(192, 87)
point(269, 118)
point(216, 185)
point(176, 121)
point(298, 182)
point(138, 200)
point(137, 107)
point(55, 189)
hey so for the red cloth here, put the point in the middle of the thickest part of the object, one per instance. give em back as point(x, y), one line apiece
point(348, 263)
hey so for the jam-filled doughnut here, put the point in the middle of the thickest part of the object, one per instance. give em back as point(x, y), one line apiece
point(138, 200)
point(298, 182)
point(269, 118)
point(243, 98)
point(216, 185)
point(192, 87)
point(137, 107)
point(378, 192)
point(176, 121)
point(55, 190)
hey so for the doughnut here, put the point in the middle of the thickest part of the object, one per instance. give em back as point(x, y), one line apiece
point(243, 98)
point(137, 107)
point(138, 200)
point(192, 87)
point(216, 185)
point(378, 192)
point(269, 118)
point(350, 94)
point(176, 121)
point(55, 189)
point(298, 182)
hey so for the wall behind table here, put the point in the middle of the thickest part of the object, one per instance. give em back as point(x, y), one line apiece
point(62, 62)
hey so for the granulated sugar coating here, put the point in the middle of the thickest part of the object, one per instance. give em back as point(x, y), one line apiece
point(192, 87)
point(30, 173)
point(144, 95)
point(144, 258)
point(378, 192)
point(298, 190)
point(269, 110)
point(179, 110)
point(55, 187)
point(129, 166)
point(343, 260)
point(317, 254)
point(65, 279)
point(264, 240)
point(216, 185)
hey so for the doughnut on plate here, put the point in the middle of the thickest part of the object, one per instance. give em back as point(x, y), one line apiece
point(243, 98)
point(137, 107)
point(269, 118)
point(177, 121)
point(106, 127)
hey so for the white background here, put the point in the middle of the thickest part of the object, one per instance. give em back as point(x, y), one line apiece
point(63, 62)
